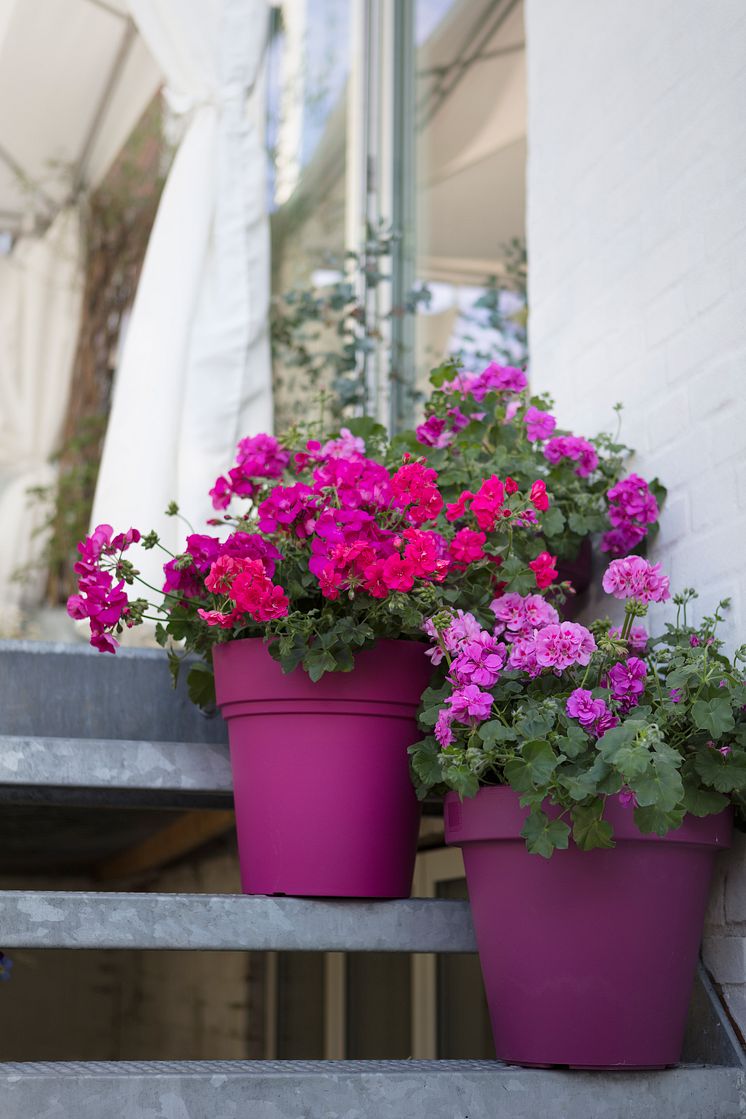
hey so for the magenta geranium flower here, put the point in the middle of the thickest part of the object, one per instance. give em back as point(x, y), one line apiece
point(470, 702)
point(539, 425)
point(480, 661)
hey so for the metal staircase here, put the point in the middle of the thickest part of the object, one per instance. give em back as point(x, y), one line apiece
point(52, 701)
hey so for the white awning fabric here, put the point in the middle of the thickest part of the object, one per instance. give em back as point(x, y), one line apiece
point(195, 372)
point(40, 295)
point(75, 77)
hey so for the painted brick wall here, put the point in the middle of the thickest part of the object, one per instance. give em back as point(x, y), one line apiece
point(637, 251)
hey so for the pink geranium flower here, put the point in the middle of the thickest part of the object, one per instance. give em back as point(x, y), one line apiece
point(480, 660)
point(560, 645)
point(539, 425)
point(470, 702)
point(582, 706)
point(634, 577)
point(575, 448)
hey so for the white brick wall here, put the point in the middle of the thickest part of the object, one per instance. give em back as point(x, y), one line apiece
point(637, 252)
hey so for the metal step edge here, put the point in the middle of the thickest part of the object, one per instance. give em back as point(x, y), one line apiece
point(103, 765)
point(375, 1089)
point(231, 922)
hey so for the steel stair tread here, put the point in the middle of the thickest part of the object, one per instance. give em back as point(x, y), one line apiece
point(189, 770)
point(223, 922)
point(375, 1089)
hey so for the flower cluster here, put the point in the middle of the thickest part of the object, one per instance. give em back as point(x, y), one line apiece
point(632, 509)
point(539, 425)
point(248, 589)
point(260, 456)
point(634, 577)
point(572, 447)
point(569, 715)
point(101, 596)
point(440, 431)
point(495, 378)
point(337, 547)
point(480, 424)
point(527, 636)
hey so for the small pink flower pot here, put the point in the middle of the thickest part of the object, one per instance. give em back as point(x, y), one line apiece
point(323, 797)
point(588, 958)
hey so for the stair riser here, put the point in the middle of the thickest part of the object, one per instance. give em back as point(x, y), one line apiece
point(86, 694)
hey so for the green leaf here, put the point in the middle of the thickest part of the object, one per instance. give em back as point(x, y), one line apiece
point(426, 762)
point(703, 802)
point(660, 787)
point(574, 742)
point(174, 665)
point(318, 662)
point(682, 675)
point(589, 829)
point(344, 658)
point(442, 373)
point(653, 820)
point(495, 731)
point(536, 720)
point(365, 427)
point(713, 715)
point(620, 748)
point(553, 521)
point(461, 780)
point(586, 783)
point(544, 836)
point(727, 775)
point(578, 523)
point(532, 768)
point(201, 684)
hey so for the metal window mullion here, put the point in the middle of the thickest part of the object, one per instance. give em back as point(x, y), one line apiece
point(402, 176)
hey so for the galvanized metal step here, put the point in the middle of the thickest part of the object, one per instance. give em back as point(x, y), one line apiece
point(71, 691)
point(363, 1089)
point(224, 922)
point(53, 770)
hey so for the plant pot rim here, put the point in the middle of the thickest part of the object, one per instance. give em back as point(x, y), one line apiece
point(392, 674)
point(495, 814)
point(398, 641)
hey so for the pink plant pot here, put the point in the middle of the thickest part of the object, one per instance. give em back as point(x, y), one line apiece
point(588, 958)
point(323, 798)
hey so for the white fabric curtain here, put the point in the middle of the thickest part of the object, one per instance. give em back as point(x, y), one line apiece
point(195, 370)
point(40, 298)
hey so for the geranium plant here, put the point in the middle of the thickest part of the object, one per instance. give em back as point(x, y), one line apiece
point(326, 542)
point(337, 545)
point(568, 715)
point(488, 422)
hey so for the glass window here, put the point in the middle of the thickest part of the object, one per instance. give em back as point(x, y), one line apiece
point(470, 180)
point(308, 79)
point(406, 120)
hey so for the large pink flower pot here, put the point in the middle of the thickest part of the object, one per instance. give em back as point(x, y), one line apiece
point(323, 797)
point(588, 958)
